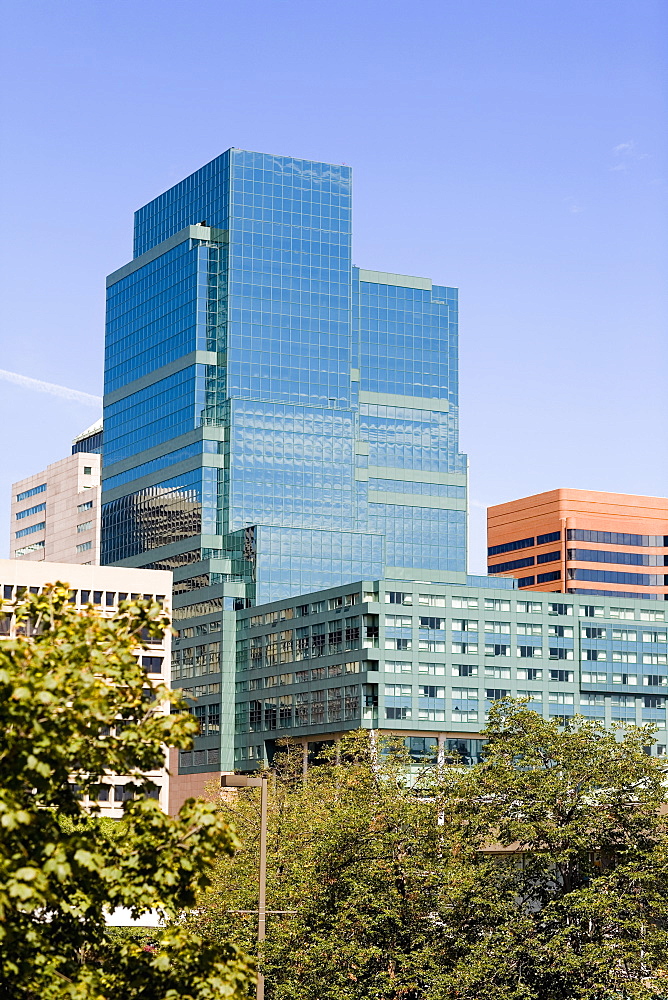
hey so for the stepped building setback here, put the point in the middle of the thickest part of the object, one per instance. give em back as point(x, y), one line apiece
point(582, 542)
point(276, 420)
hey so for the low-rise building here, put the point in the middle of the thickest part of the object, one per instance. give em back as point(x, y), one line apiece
point(425, 660)
point(104, 587)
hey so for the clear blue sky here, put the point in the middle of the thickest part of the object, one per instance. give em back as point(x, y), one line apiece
point(514, 148)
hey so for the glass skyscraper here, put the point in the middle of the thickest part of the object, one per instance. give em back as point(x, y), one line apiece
point(276, 421)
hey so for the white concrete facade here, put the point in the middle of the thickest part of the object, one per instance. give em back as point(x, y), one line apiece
point(104, 587)
point(55, 514)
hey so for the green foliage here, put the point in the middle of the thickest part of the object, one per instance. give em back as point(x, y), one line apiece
point(539, 874)
point(65, 685)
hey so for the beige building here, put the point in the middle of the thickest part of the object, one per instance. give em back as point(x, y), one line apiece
point(55, 514)
point(104, 587)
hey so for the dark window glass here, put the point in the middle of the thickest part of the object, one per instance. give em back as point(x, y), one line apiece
point(513, 564)
point(546, 557)
point(526, 581)
point(551, 536)
point(549, 577)
point(522, 543)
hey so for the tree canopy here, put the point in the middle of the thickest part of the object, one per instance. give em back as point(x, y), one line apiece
point(76, 707)
point(540, 873)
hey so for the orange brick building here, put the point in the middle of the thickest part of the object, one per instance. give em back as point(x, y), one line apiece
point(582, 542)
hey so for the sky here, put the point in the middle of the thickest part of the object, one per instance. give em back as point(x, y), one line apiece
point(516, 149)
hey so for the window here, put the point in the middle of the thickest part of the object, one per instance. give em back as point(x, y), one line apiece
point(655, 680)
point(595, 654)
point(465, 704)
point(497, 649)
point(529, 607)
point(398, 667)
point(458, 648)
point(593, 632)
point(496, 604)
point(590, 678)
point(562, 631)
point(464, 670)
point(521, 543)
point(31, 493)
point(652, 616)
point(152, 664)
point(434, 600)
point(563, 676)
point(618, 656)
point(40, 526)
point(549, 577)
point(551, 536)
point(560, 698)
point(592, 698)
point(464, 625)
point(546, 557)
point(560, 609)
point(88, 470)
point(433, 623)
point(84, 547)
point(84, 526)
point(529, 651)
point(398, 597)
point(506, 567)
point(626, 613)
point(654, 637)
point(88, 505)
point(500, 627)
point(526, 581)
point(495, 694)
point(625, 679)
point(398, 621)
point(498, 673)
point(653, 701)
point(529, 674)
point(626, 635)
point(29, 548)
point(529, 628)
point(436, 669)
point(536, 696)
point(464, 602)
point(431, 702)
point(657, 659)
point(434, 646)
point(557, 653)
point(614, 538)
point(590, 611)
point(29, 511)
point(398, 701)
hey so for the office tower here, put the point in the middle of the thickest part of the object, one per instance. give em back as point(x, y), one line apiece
point(104, 587)
point(55, 514)
point(426, 661)
point(276, 421)
point(582, 542)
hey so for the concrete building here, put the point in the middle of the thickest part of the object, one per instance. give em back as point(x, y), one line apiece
point(582, 542)
point(55, 514)
point(424, 660)
point(104, 587)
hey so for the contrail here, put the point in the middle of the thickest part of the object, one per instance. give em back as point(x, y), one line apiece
point(55, 390)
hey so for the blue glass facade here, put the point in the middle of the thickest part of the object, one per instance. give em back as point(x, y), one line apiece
point(276, 421)
point(243, 348)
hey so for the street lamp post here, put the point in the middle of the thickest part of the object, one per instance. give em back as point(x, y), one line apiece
point(244, 781)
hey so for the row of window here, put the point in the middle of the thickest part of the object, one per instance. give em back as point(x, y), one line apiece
point(29, 511)
point(31, 529)
point(616, 538)
point(31, 493)
point(524, 543)
point(630, 579)
point(628, 558)
point(530, 581)
point(97, 597)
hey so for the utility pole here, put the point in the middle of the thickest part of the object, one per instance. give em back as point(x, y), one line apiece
point(244, 781)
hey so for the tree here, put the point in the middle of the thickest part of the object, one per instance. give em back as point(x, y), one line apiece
point(74, 710)
point(541, 873)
